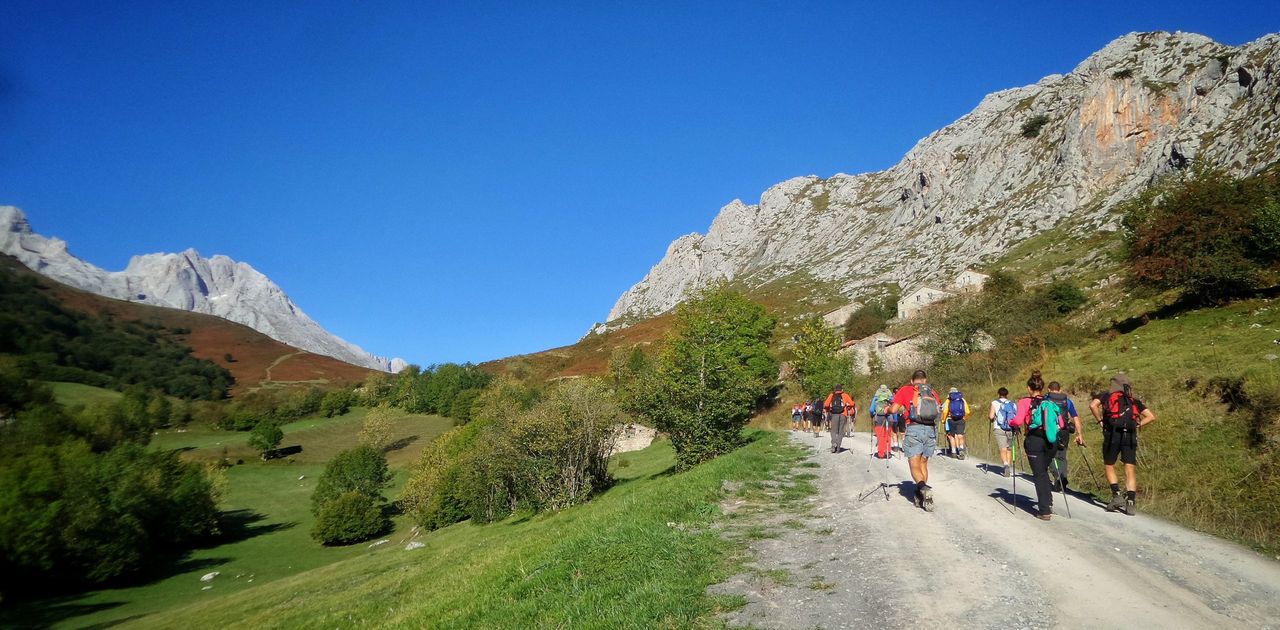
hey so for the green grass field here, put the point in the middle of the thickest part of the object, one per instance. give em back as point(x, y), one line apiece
point(639, 556)
point(268, 510)
point(73, 394)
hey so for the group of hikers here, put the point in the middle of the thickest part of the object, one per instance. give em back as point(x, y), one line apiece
point(907, 421)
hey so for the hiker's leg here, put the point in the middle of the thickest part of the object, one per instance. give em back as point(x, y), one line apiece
point(837, 431)
point(918, 473)
point(1130, 477)
point(1039, 458)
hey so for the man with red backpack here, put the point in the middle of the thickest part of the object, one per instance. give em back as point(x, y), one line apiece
point(1121, 416)
point(922, 409)
point(841, 408)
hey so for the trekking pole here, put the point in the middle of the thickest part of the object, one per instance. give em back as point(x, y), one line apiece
point(1084, 452)
point(1062, 485)
point(1013, 443)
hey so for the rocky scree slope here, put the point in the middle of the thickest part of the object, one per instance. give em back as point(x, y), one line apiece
point(215, 286)
point(1069, 147)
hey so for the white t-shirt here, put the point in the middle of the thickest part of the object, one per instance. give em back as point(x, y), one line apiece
point(995, 407)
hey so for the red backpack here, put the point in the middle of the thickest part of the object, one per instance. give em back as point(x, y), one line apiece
point(1120, 412)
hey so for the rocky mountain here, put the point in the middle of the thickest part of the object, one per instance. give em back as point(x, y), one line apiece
point(1069, 147)
point(215, 286)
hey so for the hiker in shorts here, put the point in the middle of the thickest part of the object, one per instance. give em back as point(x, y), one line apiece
point(1002, 411)
point(797, 416)
point(883, 421)
point(1121, 416)
point(841, 410)
point(957, 413)
point(1040, 421)
point(815, 417)
point(899, 426)
point(923, 410)
point(1068, 406)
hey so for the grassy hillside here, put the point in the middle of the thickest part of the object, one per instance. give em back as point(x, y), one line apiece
point(640, 555)
point(267, 513)
point(257, 360)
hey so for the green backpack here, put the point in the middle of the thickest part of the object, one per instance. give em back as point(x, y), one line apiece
point(1045, 418)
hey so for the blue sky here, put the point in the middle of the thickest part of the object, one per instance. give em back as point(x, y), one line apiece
point(452, 182)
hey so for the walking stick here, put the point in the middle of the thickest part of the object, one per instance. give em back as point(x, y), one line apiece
point(1013, 443)
point(1085, 453)
point(1063, 486)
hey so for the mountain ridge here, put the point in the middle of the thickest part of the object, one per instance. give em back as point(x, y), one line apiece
point(187, 281)
point(1070, 146)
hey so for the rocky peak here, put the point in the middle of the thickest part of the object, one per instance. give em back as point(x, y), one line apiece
point(216, 286)
point(1025, 159)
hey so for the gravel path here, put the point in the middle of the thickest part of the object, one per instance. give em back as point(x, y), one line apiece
point(978, 561)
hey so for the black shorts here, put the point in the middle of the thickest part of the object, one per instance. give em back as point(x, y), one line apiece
point(955, 427)
point(901, 425)
point(1119, 445)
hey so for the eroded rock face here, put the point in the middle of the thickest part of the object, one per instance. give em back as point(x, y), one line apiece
point(215, 286)
point(1144, 106)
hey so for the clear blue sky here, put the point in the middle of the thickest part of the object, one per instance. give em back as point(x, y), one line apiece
point(470, 181)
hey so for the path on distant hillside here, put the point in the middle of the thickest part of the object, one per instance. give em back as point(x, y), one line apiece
point(281, 359)
point(973, 563)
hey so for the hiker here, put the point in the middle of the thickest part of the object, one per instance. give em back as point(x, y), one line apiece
point(1040, 421)
point(1071, 420)
point(1121, 416)
point(899, 426)
point(883, 421)
point(815, 417)
point(841, 409)
point(957, 413)
point(922, 408)
point(1002, 411)
point(797, 415)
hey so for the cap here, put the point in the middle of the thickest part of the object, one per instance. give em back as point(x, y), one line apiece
point(1119, 381)
point(954, 390)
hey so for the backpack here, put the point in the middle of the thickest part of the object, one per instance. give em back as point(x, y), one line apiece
point(1060, 399)
point(925, 408)
point(1120, 412)
point(1008, 409)
point(1045, 419)
point(837, 403)
point(955, 406)
point(881, 403)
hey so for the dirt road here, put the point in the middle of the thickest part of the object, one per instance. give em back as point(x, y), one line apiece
point(978, 561)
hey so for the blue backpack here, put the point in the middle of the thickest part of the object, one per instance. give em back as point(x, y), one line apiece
point(1008, 409)
point(955, 406)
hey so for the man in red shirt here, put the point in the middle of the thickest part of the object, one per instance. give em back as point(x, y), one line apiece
point(923, 410)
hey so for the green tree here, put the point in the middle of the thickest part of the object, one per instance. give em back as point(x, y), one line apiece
point(712, 372)
point(362, 469)
point(336, 403)
point(265, 436)
point(1208, 236)
point(350, 518)
point(378, 427)
point(818, 366)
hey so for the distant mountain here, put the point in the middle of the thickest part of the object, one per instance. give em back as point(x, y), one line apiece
point(1068, 148)
point(215, 286)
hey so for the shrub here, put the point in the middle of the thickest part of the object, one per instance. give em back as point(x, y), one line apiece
point(1209, 236)
point(378, 427)
point(871, 318)
point(362, 469)
point(265, 436)
point(1122, 74)
point(712, 372)
point(1031, 128)
point(336, 403)
point(352, 517)
point(1065, 296)
point(817, 365)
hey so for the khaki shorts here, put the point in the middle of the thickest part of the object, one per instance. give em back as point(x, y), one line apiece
point(1003, 438)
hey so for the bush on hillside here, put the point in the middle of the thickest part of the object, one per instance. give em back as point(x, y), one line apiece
point(818, 366)
point(1032, 126)
point(713, 371)
point(872, 317)
point(362, 469)
point(336, 403)
point(83, 499)
point(378, 428)
point(265, 436)
point(350, 518)
point(1209, 236)
point(551, 456)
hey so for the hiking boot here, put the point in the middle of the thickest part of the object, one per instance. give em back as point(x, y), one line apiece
point(917, 499)
point(835, 450)
point(1129, 507)
point(961, 455)
point(1117, 502)
point(1007, 472)
point(1044, 517)
point(926, 498)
